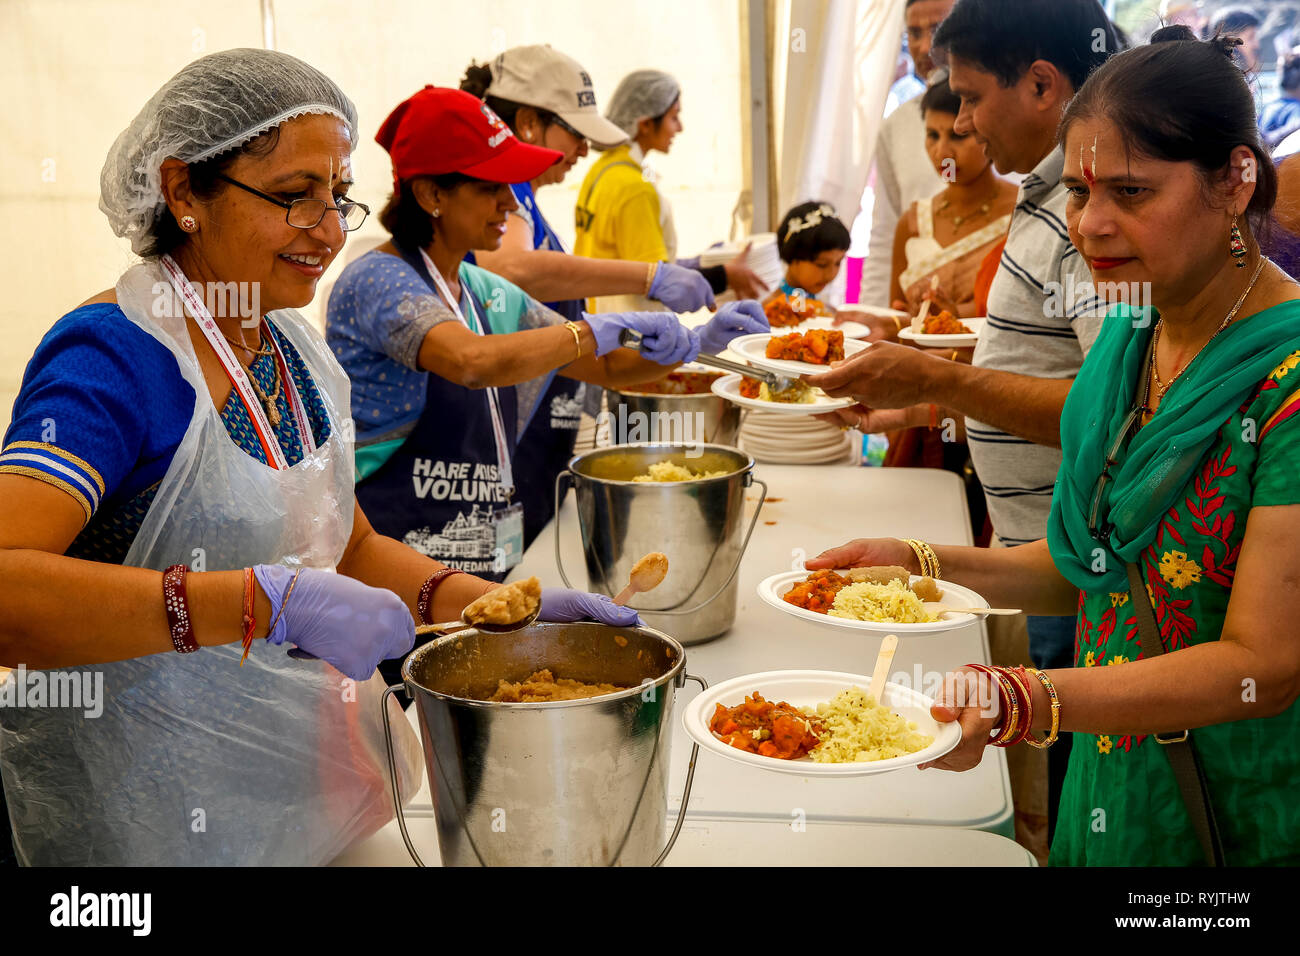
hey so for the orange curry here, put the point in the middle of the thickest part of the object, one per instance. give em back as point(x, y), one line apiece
point(943, 324)
point(819, 347)
point(817, 592)
point(761, 727)
point(781, 313)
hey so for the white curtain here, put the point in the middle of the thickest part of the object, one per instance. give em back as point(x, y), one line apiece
point(833, 65)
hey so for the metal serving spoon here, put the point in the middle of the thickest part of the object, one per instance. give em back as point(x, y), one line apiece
point(423, 630)
point(777, 383)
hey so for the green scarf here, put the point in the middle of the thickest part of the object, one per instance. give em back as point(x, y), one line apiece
point(1153, 470)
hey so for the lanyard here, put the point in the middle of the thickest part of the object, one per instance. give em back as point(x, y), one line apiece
point(239, 377)
point(505, 472)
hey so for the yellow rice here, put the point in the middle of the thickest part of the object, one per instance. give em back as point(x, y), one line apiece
point(891, 603)
point(859, 730)
point(667, 471)
point(799, 393)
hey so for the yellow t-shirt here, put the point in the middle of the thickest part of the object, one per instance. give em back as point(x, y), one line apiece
point(617, 214)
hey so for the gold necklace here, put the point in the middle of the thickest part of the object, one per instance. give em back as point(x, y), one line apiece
point(265, 350)
point(269, 402)
point(1162, 387)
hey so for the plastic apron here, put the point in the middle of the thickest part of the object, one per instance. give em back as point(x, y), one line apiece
point(548, 441)
point(441, 492)
point(195, 760)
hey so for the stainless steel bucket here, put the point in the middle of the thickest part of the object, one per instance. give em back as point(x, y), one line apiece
point(565, 783)
point(689, 418)
point(698, 524)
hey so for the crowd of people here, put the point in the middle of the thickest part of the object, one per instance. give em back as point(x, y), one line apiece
point(1133, 451)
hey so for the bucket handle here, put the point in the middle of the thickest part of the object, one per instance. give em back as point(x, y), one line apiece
point(690, 776)
point(750, 480)
point(392, 772)
point(397, 798)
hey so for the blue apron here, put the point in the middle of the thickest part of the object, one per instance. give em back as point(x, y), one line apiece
point(439, 493)
point(547, 443)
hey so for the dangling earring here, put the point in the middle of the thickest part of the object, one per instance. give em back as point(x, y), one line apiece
point(189, 223)
point(1235, 244)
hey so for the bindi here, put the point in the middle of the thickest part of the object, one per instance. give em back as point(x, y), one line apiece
point(1089, 173)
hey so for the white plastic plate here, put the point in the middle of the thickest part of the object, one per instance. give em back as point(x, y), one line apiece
point(807, 689)
point(728, 387)
point(957, 341)
point(772, 589)
point(752, 348)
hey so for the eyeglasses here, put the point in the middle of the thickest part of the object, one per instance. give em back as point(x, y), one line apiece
point(569, 129)
point(1098, 530)
point(308, 213)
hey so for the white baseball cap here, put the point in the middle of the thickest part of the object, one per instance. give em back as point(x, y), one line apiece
point(544, 78)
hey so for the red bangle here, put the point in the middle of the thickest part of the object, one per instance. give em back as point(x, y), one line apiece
point(1004, 702)
point(248, 621)
point(178, 613)
point(427, 589)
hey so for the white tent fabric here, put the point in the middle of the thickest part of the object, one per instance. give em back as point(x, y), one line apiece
point(833, 67)
point(87, 67)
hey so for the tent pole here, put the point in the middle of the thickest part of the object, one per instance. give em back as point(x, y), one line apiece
point(760, 145)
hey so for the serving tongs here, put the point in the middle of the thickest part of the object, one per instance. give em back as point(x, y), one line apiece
point(776, 382)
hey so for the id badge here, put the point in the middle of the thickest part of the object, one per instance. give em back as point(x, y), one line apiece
point(509, 524)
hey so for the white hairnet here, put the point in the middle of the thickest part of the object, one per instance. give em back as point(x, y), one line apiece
point(642, 94)
point(214, 104)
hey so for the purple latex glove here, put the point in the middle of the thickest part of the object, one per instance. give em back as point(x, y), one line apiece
point(733, 319)
point(563, 605)
point(336, 618)
point(664, 340)
point(681, 289)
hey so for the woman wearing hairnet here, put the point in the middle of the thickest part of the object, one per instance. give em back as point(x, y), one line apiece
point(175, 490)
point(621, 213)
point(547, 99)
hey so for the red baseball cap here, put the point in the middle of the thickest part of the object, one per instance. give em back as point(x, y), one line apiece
point(440, 130)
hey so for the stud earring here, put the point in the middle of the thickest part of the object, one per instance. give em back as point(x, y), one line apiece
point(1235, 244)
point(437, 213)
point(189, 224)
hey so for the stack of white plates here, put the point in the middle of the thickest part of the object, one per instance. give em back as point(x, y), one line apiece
point(763, 257)
point(793, 439)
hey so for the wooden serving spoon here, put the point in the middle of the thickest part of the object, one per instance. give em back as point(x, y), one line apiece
point(935, 609)
point(883, 660)
point(647, 574)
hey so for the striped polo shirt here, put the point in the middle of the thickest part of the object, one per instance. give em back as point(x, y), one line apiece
point(1043, 316)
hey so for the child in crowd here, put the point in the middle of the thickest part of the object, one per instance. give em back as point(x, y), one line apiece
point(812, 243)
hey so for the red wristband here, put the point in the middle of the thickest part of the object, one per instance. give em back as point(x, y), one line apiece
point(178, 613)
point(248, 621)
point(427, 589)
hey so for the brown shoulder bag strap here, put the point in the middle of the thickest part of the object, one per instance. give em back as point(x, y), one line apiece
point(1183, 758)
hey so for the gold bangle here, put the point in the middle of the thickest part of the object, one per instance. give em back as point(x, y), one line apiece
point(651, 269)
point(925, 557)
point(953, 357)
point(898, 321)
point(577, 337)
point(934, 561)
point(1056, 712)
point(922, 559)
point(1013, 718)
